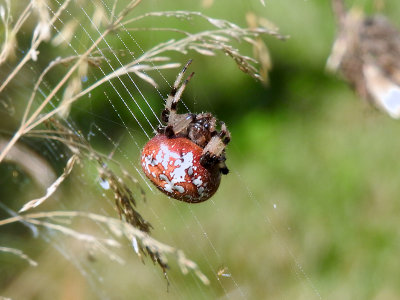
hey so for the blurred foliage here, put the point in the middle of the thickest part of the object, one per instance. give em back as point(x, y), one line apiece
point(310, 207)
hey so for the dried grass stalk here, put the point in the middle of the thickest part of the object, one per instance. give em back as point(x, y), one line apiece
point(20, 254)
point(142, 242)
point(51, 189)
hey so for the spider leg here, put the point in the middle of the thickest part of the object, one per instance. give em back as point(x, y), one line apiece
point(223, 168)
point(213, 152)
point(180, 123)
point(225, 135)
point(218, 142)
point(175, 94)
point(209, 160)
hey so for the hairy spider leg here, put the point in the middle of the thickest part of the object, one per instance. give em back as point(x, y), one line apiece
point(215, 148)
point(176, 93)
point(177, 123)
point(225, 135)
point(218, 142)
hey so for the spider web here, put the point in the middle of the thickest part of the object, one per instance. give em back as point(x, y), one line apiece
point(119, 126)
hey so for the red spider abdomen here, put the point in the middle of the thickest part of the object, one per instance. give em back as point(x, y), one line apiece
point(173, 166)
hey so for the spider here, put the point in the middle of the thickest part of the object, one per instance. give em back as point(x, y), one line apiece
point(186, 158)
point(199, 128)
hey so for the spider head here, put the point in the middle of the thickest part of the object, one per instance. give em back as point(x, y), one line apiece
point(202, 129)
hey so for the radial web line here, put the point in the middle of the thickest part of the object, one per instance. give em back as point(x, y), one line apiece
point(268, 221)
point(194, 240)
point(158, 70)
point(112, 68)
point(109, 100)
point(124, 155)
point(133, 57)
point(110, 82)
point(216, 253)
point(172, 239)
point(114, 108)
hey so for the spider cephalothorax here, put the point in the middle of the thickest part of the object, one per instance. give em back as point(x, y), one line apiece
point(187, 157)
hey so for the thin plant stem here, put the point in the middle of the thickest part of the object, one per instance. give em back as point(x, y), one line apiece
point(28, 55)
point(39, 81)
point(21, 20)
point(26, 126)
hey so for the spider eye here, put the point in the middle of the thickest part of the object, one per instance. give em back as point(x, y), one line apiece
point(198, 134)
point(195, 131)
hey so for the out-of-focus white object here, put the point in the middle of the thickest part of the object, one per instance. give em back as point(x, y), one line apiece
point(367, 54)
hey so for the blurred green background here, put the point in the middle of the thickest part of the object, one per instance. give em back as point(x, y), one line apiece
point(310, 208)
